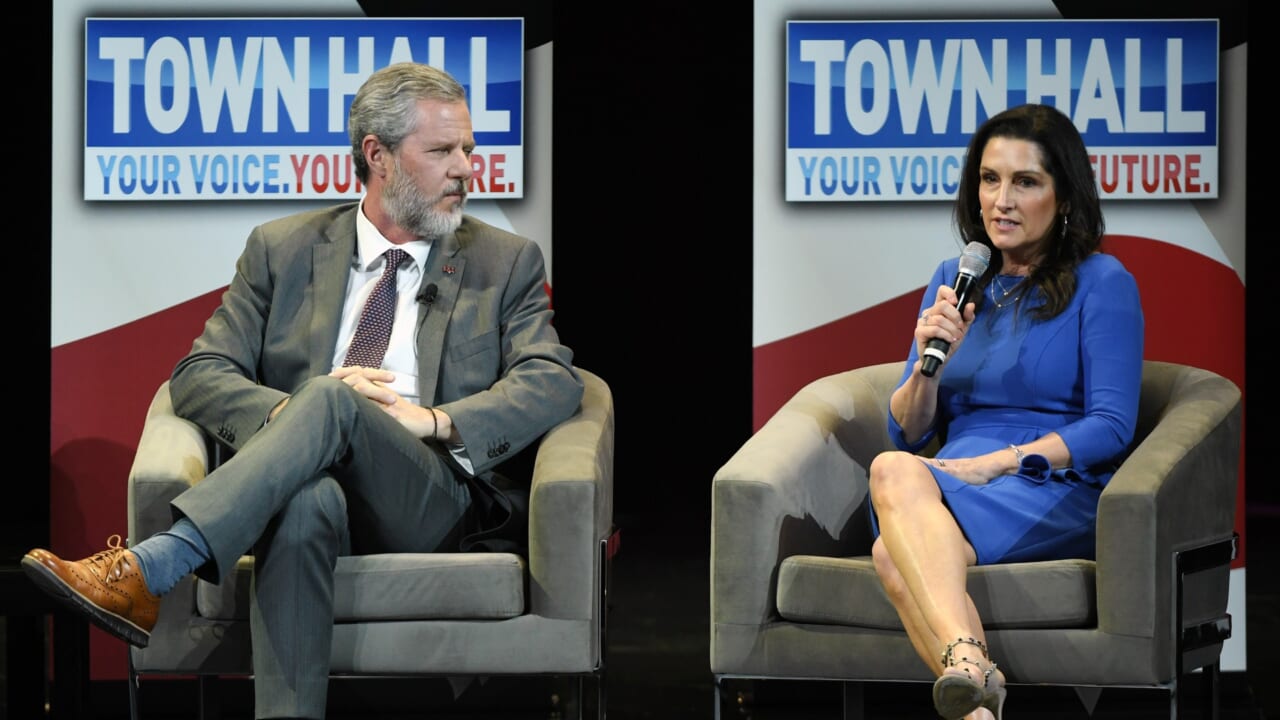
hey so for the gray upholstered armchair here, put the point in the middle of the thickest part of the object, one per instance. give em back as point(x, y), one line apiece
point(794, 594)
point(455, 614)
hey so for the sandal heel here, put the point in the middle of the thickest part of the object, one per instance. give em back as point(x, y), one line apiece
point(994, 701)
point(957, 692)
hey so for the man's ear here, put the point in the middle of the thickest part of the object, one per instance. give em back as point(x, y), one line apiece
point(376, 155)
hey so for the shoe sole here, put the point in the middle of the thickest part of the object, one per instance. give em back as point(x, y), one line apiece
point(955, 696)
point(65, 594)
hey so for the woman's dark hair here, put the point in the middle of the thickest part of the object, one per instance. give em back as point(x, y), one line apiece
point(1078, 230)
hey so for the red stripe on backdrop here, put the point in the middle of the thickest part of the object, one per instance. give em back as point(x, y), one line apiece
point(872, 336)
point(1194, 310)
point(101, 387)
point(1204, 329)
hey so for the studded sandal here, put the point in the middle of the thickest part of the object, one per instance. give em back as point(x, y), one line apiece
point(959, 690)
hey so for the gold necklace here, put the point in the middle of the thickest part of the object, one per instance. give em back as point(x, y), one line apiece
point(1004, 294)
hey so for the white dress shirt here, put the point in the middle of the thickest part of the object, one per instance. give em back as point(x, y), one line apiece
point(366, 267)
point(401, 357)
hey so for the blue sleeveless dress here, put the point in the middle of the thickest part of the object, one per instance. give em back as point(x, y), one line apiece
point(1014, 379)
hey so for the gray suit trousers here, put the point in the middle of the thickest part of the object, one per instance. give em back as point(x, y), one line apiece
point(332, 474)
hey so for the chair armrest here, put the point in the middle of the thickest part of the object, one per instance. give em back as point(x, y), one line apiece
point(797, 487)
point(172, 456)
point(570, 503)
point(571, 507)
point(1177, 490)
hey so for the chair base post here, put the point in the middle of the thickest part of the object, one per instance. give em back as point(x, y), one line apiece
point(852, 700)
point(1211, 683)
point(722, 692)
point(133, 688)
point(208, 703)
point(1211, 695)
point(210, 706)
point(1193, 638)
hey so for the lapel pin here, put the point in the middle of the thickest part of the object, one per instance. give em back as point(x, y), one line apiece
point(449, 269)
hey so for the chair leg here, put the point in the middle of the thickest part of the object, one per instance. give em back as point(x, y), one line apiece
point(133, 688)
point(207, 690)
point(739, 693)
point(1209, 684)
point(580, 696)
point(1215, 631)
point(569, 697)
point(1210, 688)
point(601, 694)
point(852, 695)
point(719, 689)
point(608, 548)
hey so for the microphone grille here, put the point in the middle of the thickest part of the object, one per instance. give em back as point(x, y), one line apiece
point(975, 258)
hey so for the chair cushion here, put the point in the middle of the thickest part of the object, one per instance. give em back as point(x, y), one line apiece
point(396, 586)
point(847, 591)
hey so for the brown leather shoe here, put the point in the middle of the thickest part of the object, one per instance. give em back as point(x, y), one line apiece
point(107, 588)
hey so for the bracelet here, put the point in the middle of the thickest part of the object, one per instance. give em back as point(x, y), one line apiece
point(1017, 452)
point(435, 424)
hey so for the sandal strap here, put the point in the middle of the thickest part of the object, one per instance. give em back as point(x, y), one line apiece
point(949, 656)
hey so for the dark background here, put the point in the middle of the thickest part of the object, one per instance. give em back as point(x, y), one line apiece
point(653, 290)
point(653, 242)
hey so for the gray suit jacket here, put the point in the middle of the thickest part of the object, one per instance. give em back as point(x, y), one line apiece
point(487, 352)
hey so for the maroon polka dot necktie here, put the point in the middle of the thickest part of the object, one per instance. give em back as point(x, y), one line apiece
point(374, 331)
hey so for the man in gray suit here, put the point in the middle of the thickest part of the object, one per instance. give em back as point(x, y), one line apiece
point(337, 446)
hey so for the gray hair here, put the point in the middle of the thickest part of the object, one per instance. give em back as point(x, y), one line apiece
point(385, 106)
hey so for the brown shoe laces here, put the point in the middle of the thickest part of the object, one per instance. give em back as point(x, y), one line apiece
point(102, 562)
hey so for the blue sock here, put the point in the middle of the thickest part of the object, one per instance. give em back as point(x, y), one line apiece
point(167, 557)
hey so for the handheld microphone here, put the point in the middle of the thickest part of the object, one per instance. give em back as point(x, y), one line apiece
point(973, 262)
point(427, 294)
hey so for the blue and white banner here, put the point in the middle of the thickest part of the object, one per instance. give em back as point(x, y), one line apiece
point(883, 110)
point(256, 108)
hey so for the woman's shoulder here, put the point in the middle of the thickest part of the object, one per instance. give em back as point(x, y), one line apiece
point(1102, 266)
point(1102, 276)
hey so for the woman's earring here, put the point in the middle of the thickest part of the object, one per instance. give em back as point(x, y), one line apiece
point(1064, 226)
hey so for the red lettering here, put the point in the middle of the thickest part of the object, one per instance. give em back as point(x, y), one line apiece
point(299, 163)
point(324, 171)
point(1108, 173)
point(477, 173)
point(320, 174)
point(1172, 165)
point(341, 183)
point(1166, 173)
point(489, 173)
point(497, 171)
point(1150, 174)
point(1129, 162)
point(1193, 174)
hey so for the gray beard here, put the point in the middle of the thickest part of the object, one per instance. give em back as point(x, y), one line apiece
point(408, 209)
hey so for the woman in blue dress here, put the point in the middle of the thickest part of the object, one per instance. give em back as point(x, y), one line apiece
point(1034, 404)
